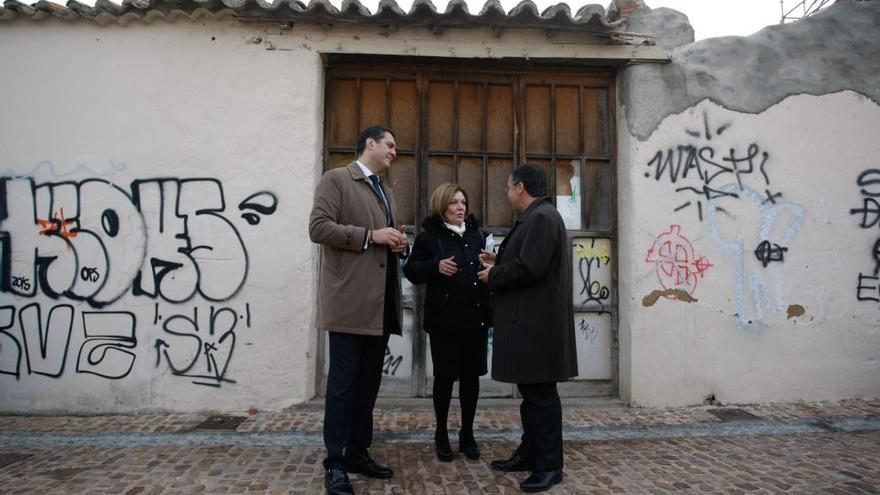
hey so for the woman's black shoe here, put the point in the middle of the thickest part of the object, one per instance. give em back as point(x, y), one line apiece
point(468, 446)
point(444, 450)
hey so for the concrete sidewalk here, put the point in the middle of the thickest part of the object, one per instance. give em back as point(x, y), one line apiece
point(829, 447)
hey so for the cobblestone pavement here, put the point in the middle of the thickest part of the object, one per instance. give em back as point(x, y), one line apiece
point(790, 448)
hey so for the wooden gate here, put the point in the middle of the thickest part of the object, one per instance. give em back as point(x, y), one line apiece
point(470, 122)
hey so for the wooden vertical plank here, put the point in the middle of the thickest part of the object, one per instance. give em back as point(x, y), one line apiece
point(439, 171)
point(597, 195)
point(500, 213)
point(342, 113)
point(537, 125)
point(500, 125)
point(336, 160)
point(404, 106)
point(470, 178)
point(596, 135)
point(401, 177)
point(440, 116)
point(470, 114)
point(567, 127)
point(372, 111)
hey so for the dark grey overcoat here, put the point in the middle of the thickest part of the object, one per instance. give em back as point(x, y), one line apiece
point(534, 339)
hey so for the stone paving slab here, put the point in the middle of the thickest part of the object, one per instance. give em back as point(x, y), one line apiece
point(835, 463)
point(419, 417)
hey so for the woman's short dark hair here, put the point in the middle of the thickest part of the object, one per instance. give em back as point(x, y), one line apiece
point(376, 132)
point(533, 178)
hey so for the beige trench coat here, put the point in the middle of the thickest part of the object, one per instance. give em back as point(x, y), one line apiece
point(351, 288)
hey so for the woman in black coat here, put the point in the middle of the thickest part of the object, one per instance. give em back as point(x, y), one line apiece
point(457, 315)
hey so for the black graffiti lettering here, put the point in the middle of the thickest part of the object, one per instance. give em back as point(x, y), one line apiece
point(870, 212)
point(392, 363)
point(22, 283)
point(263, 202)
point(869, 181)
point(189, 351)
point(592, 290)
point(691, 163)
point(89, 274)
point(167, 239)
point(10, 349)
point(110, 222)
point(46, 342)
point(589, 330)
point(876, 256)
point(868, 292)
point(193, 348)
point(771, 197)
point(768, 253)
point(109, 339)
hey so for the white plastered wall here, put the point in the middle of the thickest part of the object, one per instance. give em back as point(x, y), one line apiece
point(148, 108)
point(785, 320)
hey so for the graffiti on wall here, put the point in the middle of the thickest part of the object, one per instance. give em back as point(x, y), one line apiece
point(868, 282)
point(199, 345)
point(165, 239)
point(676, 263)
point(37, 341)
point(699, 170)
point(778, 224)
point(168, 239)
point(592, 260)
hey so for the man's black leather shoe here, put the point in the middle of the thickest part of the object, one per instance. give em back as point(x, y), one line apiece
point(336, 482)
point(540, 481)
point(365, 465)
point(512, 465)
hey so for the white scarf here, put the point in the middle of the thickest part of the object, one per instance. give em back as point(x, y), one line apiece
point(458, 229)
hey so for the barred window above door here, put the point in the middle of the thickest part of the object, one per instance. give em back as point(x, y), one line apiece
point(472, 126)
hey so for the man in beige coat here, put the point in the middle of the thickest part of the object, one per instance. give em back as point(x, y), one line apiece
point(358, 300)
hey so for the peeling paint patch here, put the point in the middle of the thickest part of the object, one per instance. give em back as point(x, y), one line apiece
point(795, 310)
point(679, 294)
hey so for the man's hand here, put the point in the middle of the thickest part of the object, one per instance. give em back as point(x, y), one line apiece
point(447, 267)
point(404, 240)
point(483, 275)
point(487, 258)
point(391, 237)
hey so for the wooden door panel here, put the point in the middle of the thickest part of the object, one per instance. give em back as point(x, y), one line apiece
point(567, 120)
point(342, 114)
point(501, 126)
point(441, 117)
point(470, 114)
point(403, 108)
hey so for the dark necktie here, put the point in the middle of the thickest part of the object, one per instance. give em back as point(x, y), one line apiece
point(374, 181)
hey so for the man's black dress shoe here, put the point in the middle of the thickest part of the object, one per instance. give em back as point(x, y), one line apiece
point(514, 464)
point(540, 481)
point(441, 445)
point(336, 482)
point(468, 446)
point(365, 465)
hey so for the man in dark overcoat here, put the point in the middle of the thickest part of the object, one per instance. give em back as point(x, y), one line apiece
point(534, 339)
point(358, 300)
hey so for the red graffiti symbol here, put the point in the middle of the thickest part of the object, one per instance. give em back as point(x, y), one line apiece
point(677, 265)
point(57, 226)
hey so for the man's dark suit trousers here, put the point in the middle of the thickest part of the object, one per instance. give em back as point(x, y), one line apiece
point(541, 415)
point(352, 385)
